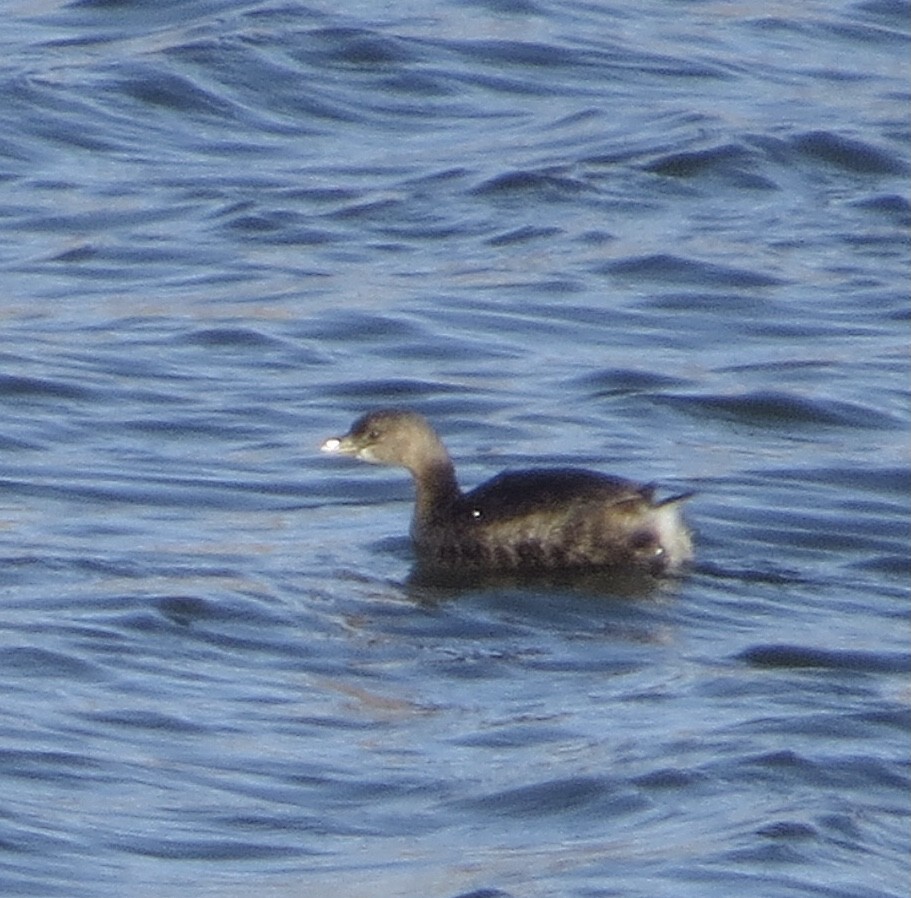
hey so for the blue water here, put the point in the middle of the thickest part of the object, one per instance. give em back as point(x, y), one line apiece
point(665, 240)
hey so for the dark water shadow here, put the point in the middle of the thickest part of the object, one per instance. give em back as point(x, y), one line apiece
point(798, 656)
point(433, 586)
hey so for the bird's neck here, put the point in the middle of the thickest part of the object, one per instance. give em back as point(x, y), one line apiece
point(437, 490)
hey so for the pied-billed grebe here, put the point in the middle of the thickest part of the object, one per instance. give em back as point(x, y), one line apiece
point(549, 519)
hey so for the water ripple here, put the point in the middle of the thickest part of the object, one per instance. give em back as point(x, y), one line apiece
point(800, 657)
point(572, 234)
point(772, 408)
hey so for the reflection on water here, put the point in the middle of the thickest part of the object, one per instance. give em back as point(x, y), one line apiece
point(424, 583)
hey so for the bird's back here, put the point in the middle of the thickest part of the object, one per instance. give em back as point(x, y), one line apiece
point(549, 519)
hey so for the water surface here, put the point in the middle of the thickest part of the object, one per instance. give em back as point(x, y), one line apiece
point(667, 242)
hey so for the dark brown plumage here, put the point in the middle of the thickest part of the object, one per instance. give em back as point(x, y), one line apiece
point(548, 519)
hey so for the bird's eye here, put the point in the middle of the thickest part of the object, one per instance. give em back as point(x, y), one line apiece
point(373, 434)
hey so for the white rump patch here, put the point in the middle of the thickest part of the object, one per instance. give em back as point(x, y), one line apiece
point(673, 535)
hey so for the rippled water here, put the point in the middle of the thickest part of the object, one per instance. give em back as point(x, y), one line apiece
point(665, 240)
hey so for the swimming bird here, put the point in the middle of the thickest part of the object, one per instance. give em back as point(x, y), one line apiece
point(520, 521)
